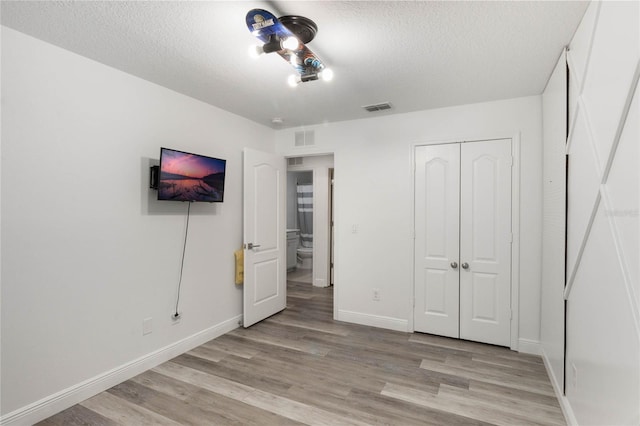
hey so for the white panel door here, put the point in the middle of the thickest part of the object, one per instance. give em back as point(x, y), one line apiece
point(265, 284)
point(485, 242)
point(463, 241)
point(437, 185)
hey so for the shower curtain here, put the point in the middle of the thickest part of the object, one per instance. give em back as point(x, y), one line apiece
point(305, 214)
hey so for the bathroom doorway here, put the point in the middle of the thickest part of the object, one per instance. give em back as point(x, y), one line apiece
point(300, 226)
point(309, 220)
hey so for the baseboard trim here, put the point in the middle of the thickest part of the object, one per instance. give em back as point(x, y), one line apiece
point(567, 411)
point(529, 346)
point(66, 398)
point(379, 321)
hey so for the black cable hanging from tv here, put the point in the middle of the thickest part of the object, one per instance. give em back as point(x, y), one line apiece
point(176, 314)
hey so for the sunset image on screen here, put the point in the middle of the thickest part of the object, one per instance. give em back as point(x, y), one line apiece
point(190, 177)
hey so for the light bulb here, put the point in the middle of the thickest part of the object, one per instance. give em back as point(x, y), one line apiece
point(293, 80)
point(327, 74)
point(290, 43)
point(255, 51)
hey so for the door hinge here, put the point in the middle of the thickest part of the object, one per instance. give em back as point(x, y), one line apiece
point(510, 314)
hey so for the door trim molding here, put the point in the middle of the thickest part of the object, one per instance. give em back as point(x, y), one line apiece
point(515, 226)
point(515, 245)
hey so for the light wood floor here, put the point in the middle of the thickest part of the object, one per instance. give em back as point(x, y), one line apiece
point(300, 275)
point(301, 367)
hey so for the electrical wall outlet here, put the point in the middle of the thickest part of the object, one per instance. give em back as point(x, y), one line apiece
point(147, 326)
point(176, 317)
point(376, 294)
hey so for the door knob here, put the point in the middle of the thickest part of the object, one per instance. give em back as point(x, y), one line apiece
point(251, 246)
point(454, 265)
point(465, 265)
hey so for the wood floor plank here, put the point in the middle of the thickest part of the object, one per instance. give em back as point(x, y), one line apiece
point(226, 411)
point(247, 376)
point(176, 409)
point(536, 376)
point(515, 381)
point(502, 391)
point(471, 347)
point(460, 406)
point(209, 353)
point(508, 362)
point(231, 347)
point(125, 412)
point(313, 325)
point(319, 368)
point(517, 411)
point(282, 406)
point(77, 416)
point(292, 373)
point(282, 342)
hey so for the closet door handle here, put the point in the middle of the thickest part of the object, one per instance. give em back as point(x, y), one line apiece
point(465, 265)
point(454, 265)
point(251, 246)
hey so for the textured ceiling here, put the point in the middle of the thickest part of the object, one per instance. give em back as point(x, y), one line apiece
point(415, 54)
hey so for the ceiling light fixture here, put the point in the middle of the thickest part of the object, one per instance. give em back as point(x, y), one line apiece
point(288, 36)
point(326, 74)
point(290, 43)
point(303, 28)
point(294, 80)
point(309, 77)
point(275, 44)
point(255, 51)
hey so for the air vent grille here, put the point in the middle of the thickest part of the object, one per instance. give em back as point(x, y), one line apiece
point(378, 107)
point(295, 161)
point(305, 138)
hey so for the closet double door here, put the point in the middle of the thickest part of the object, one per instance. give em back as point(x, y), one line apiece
point(463, 240)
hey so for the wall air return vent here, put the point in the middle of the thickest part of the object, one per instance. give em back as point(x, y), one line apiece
point(378, 107)
point(305, 138)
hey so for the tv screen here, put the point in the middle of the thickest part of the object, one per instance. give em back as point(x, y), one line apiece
point(190, 177)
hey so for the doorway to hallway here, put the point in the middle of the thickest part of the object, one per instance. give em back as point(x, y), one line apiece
point(308, 220)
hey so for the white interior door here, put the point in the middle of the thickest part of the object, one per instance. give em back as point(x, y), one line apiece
point(463, 241)
point(437, 186)
point(485, 241)
point(265, 246)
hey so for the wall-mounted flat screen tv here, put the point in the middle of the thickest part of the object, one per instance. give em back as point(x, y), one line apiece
point(190, 177)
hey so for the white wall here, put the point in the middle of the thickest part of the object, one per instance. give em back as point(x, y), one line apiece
point(603, 225)
point(373, 197)
point(554, 182)
point(87, 252)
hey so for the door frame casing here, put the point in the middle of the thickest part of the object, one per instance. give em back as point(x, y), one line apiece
point(515, 225)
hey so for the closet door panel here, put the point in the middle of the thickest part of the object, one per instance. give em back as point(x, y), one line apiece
point(436, 284)
point(485, 241)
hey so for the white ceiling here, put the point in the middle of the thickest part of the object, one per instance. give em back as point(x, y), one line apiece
point(415, 54)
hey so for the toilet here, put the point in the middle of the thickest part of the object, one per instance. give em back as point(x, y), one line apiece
point(305, 257)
